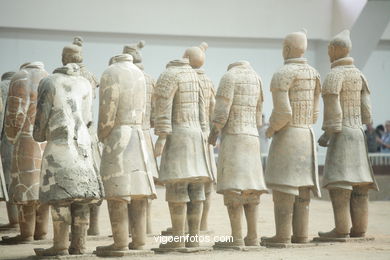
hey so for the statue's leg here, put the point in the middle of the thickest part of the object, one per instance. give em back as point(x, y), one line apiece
point(61, 217)
point(208, 187)
point(138, 218)
point(251, 208)
point(301, 217)
point(359, 211)
point(119, 225)
point(42, 221)
point(341, 209)
point(130, 220)
point(177, 197)
point(283, 211)
point(93, 229)
point(80, 220)
point(27, 216)
point(194, 212)
point(149, 229)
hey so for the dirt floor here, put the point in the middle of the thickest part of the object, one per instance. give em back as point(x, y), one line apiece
point(321, 219)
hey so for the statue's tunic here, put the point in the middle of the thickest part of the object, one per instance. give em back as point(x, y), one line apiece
point(292, 158)
point(63, 113)
point(238, 112)
point(125, 170)
point(180, 114)
point(346, 107)
point(207, 87)
point(19, 122)
point(148, 122)
point(6, 147)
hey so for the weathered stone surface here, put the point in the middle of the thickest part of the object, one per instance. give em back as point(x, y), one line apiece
point(63, 113)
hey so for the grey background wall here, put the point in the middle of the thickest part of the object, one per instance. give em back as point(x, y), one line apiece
point(235, 30)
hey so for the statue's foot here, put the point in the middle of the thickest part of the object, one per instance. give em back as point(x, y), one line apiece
point(111, 247)
point(357, 234)
point(40, 237)
point(192, 244)
point(93, 232)
point(234, 243)
point(332, 234)
point(299, 240)
point(172, 245)
point(76, 251)
point(9, 226)
point(251, 241)
point(51, 251)
point(134, 246)
point(16, 240)
point(275, 240)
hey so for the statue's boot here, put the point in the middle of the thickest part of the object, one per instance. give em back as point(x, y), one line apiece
point(205, 213)
point(301, 217)
point(93, 229)
point(341, 209)
point(251, 214)
point(178, 218)
point(235, 215)
point(138, 217)
point(359, 211)
point(119, 226)
point(27, 216)
point(12, 211)
point(41, 221)
point(283, 210)
point(80, 219)
point(194, 215)
point(61, 217)
point(149, 229)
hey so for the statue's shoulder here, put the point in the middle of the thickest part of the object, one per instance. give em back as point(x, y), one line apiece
point(283, 78)
point(333, 81)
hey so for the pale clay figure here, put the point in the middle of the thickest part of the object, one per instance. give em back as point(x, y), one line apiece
point(347, 172)
point(180, 122)
point(125, 170)
point(148, 122)
point(27, 153)
point(69, 181)
point(237, 116)
point(73, 54)
point(291, 170)
point(196, 56)
point(6, 152)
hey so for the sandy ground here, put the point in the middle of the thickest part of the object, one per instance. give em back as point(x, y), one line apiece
point(321, 219)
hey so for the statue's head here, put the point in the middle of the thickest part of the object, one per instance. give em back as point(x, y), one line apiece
point(134, 50)
point(196, 55)
point(73, 53)
point(340, 46)
point(124, 57)
point(295, 45)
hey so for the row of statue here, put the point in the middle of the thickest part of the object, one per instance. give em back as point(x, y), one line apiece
point(56, 158)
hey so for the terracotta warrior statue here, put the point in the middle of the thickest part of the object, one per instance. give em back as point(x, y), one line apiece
point(6, 149)
point(237, 116)
point(347, 173)
point(27, 153)
point(180, 124)
point(69, 181)
point(148, 122)
point(3, 187)
point(73, 54)
point(291, 170)
point(125, 169)
point(196, 56)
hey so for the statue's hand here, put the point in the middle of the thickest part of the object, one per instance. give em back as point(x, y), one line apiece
point(213, 136)
point(324, 140)
point(159, 147)
point(269, 132)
